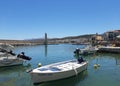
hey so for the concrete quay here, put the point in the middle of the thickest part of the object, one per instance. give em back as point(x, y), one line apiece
point(109, 49)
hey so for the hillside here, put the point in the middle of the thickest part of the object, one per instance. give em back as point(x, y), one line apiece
point(37, 41)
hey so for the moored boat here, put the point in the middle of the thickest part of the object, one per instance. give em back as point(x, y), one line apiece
point(57, 71)
point(86, 51)
point(9, 58)
point(10, 61)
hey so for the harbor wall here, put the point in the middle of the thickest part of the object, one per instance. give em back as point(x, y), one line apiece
point(109, 49)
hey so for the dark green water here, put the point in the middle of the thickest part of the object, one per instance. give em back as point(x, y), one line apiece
point(108, 74)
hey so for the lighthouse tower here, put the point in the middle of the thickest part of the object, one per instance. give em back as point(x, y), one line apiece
point(45, 42)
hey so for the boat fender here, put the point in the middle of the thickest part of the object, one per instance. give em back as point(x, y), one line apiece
point(95, 66)
point(39, 64)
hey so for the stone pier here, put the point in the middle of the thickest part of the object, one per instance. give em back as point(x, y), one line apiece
point(109, 49)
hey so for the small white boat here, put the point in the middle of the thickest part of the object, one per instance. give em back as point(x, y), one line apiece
point(57, 71)
point(10, 61)
point(88, 50)
point(8, 58)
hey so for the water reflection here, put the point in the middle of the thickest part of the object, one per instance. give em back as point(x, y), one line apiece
point(17, 76)
point(8, 82)
point(72, 81)
point(9, 76)
point(46, 50)
point(18, 68)
point(116, 57)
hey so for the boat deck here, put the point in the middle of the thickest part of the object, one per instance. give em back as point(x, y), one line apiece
point(59, 67)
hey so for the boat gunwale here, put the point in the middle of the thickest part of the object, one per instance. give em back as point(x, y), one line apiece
point(55, 64)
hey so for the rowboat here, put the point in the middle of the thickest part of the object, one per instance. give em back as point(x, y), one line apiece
point(57, 71)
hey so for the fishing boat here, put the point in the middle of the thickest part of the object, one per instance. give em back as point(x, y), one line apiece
point(88, 50)
point(9, 58)
point(57, 71)
point(10, 61)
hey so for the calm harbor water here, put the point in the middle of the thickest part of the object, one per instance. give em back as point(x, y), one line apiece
point(108, 74)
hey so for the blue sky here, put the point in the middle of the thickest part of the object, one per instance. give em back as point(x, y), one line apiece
point(26, 19)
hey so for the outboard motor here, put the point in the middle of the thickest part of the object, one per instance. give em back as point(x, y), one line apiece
point(80, 59)
point(23, 56)
point(77, 53)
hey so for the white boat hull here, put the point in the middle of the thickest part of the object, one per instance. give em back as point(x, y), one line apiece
point(50, 76)
point(10, 61)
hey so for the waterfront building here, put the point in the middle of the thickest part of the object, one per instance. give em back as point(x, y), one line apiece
point(111, 35)
point(96, 39)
